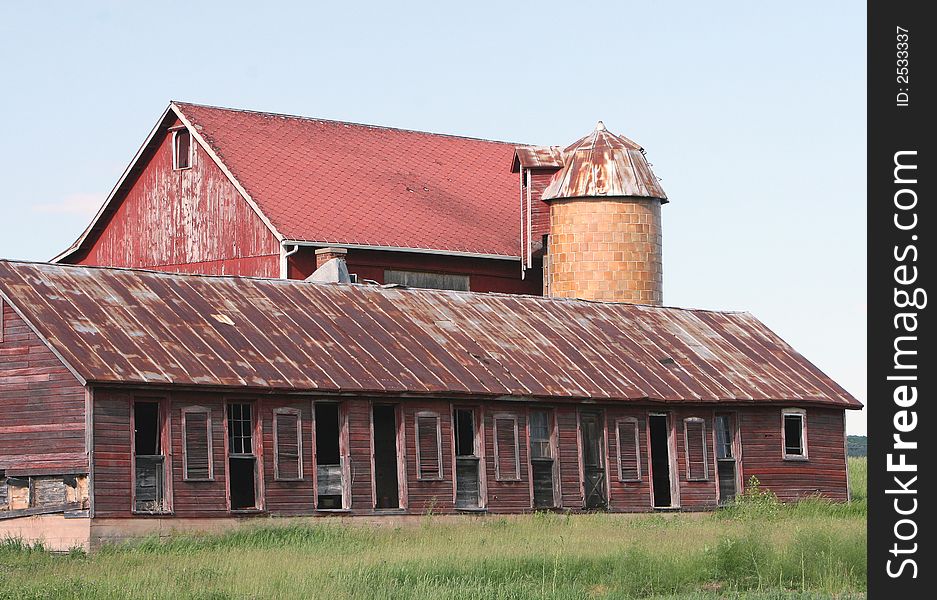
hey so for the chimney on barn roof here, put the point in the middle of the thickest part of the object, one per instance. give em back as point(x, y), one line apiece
point(331, 267)
point(605, 229)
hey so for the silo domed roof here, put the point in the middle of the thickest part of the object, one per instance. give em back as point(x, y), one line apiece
point(603, 164)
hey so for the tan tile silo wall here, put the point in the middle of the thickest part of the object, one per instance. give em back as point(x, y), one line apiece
point(606, 249)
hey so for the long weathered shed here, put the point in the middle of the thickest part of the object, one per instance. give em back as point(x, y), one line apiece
point(128, 393)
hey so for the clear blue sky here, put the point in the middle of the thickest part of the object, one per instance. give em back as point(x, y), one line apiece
point(753, 114)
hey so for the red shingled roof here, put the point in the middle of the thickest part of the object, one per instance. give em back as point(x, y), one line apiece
point(344, 183)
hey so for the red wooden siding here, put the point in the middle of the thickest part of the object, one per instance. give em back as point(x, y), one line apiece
point(630, 496)
point(567, 422)
point(823, 473)
point(190, 221)
point(111, 453)
point(359, 439)
point(42, 405)
point(426, 495)
point(282, 496)
point(540, 210)
point(510, 493)
point(485, 275)
point(694, 494)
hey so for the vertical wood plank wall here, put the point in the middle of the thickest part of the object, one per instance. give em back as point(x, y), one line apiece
point(824, 473)
point(189, 221)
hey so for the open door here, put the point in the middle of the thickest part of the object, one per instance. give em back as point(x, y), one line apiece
point(592, 433)
point(662, 474)
point(467, 461)
point(330, 472)
point(726, 459)
point(386, 463)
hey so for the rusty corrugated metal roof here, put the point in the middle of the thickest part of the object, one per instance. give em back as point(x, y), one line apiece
point(603, 164)
point(537, 157)
point(130, 326)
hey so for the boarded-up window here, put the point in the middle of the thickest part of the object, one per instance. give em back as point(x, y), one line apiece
point(507, 454)
point(694, 430)
point(421, 279)
point(629, 450)
point(428, 447)
point(196, 450)
point(287, 445)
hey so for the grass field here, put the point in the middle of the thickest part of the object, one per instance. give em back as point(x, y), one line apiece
point(755, 550)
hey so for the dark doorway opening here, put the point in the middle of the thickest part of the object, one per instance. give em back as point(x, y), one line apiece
point(592, 429)
point(149, 464)
point(386, 485)
point(660, 460)
point(242, 462)
point(725, 458)
point(329, 480)
point(467, 461)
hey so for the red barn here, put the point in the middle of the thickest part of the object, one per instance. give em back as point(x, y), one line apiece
point(181, 376)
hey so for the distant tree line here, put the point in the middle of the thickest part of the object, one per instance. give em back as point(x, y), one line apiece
point(856, 445)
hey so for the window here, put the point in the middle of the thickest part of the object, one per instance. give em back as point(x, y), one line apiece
point(181, 149)
point(149, 461)
point(694, 431)
point(794, 433)
point(541, 458)
point(428, 447)
point(507, 459)
point(629, 451)
point(420, 279)
point(287, 445)
point(723, 437)
point(196, 449)
point(242, 461)
point(540, 443)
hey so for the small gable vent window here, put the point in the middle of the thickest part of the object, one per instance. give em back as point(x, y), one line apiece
point(181, 149)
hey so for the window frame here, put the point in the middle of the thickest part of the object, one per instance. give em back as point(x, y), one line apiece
point(295, 412)
point(550, 434)
point(517, 451)
point(175, 148)
point(703, 445)
point(416, 426)
point(637, 448)
point(185, 452)
point(802, 415)
point(257, 454)
point(165, 441)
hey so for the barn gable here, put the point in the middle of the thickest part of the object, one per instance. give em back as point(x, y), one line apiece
point(183, 217)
